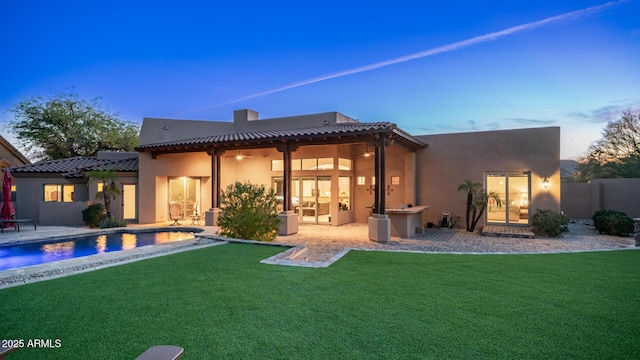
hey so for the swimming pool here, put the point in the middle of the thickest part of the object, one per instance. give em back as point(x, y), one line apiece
point(15, 256)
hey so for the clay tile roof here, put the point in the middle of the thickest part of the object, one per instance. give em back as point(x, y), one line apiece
point(56, 166)
point(124, 165)
point(318, 132)
point(75, 166)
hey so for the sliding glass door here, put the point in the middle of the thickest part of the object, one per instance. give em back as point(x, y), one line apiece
point(186, 192)
point(513, 189)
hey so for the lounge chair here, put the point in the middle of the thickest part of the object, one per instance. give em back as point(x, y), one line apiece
point(5, 350)
point(175, 213)
point(15, 223)
point(162, 352)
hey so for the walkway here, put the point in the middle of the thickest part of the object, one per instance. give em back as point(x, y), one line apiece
point(313, 246)
point(325, 242)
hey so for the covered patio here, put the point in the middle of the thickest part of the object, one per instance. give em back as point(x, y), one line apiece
point(345, 143)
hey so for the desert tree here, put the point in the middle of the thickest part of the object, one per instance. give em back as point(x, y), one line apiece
point(67, 125)
point(617, 153)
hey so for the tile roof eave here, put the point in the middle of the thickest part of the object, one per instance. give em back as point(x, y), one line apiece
point(314, 133)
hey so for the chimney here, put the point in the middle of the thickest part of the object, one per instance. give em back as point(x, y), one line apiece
point(241, 119)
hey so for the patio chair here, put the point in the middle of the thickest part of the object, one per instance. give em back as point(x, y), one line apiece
point(175, 213)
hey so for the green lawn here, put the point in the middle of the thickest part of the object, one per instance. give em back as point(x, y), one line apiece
point(220, 302)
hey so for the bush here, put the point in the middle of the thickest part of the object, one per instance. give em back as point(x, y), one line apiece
point(613, 222)
point(249, 212)
point(112, 222)
point(93, 215)
point(549, 223)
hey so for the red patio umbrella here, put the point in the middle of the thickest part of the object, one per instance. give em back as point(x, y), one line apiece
point(7, 212)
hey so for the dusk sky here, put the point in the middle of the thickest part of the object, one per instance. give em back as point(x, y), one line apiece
point(429, 66)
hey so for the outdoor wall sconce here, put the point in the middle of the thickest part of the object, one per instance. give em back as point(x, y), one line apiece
point(545, 183)
point(366, 151)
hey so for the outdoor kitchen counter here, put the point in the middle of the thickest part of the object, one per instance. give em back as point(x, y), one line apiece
point(404, 222)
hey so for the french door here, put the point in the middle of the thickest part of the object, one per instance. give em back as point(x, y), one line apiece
point(310, 196)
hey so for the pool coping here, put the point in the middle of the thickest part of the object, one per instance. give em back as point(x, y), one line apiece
point(92, 232)
point(62, 268)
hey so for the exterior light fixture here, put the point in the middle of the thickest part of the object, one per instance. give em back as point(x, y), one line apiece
point(366, 151)
point(545, 183)
point(239, 156)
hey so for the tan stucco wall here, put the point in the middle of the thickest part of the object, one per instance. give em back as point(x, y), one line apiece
point(10, 154)
point(255, 167)
point(156, 130)
point(427, 177)
point(116, 204)
point(30, 196)
point(61, 213)
point(581, 201)
point(400, 162)
point(450, 159)
point(576, 200)
point(153, 181)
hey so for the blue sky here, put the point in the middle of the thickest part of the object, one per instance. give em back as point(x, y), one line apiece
point(183, 59)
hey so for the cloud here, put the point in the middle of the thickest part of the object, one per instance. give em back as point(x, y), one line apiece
point(573, 15)
point(446, 127)
point(607, 113)
point(493, 126)
point(472, 124)
point(534, 122)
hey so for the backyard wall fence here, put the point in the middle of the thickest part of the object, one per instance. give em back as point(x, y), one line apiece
point(582, 200)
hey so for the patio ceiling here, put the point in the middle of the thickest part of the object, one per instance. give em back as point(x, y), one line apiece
point(341, 133)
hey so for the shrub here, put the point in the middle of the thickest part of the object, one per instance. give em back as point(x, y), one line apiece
point(549, 223)
point(249, 212)
point(93, 215)
point(613, 222)
point(112, 222)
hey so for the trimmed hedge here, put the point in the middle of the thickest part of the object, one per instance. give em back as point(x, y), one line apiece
point(549, 223)
point(112, 222)
point(93, 215)
point(612, 222)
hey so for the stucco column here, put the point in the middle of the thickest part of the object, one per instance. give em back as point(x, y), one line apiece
point(215, 181)
point(288, 218)
point(211, 216)
point(379, 223)
point(380, 173)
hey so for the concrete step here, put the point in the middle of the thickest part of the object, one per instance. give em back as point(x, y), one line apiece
point(523, 232)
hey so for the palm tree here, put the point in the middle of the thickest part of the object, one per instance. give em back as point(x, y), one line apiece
point(480, 203)
point(109, 189)
point(471, 188)
point(477, 200)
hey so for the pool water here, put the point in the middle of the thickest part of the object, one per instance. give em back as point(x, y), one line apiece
point(15, 256)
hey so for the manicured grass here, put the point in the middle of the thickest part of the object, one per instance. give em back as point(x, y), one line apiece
point(220, 302)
